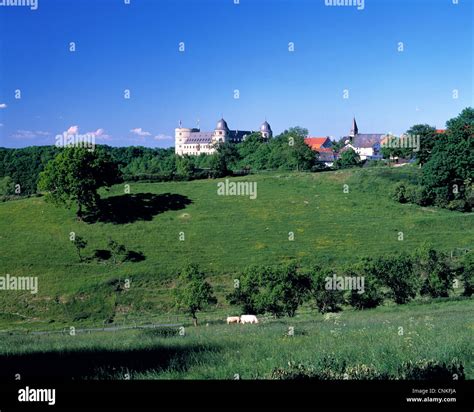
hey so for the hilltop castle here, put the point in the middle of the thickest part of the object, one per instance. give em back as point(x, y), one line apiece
point(194, 142)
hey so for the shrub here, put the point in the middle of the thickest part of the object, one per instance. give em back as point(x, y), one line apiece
point(81, 316)
point(435, 273)
point(114, 283)
point(325, 300)
point(397, 273)
point(431, 370)
point(458, 205)
point(332, 369)
point(7, 186)
point(348, 158)
point(417, 195)
point(468, 274)
point(162, 332)
point(328, 369)
point(277, 290)
point(469, 193)
point(372, 295)
point(399, 193)
point(408, 193)
point(117, 251)
point(246, 290)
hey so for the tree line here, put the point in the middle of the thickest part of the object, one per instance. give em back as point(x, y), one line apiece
point(281, 290)
point(447, 166)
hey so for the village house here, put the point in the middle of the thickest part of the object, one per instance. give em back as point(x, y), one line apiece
point(323, 146)
point(367, 146)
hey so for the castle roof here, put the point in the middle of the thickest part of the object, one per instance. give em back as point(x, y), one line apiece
point(265, 127)
point(222, 125)
point(199, 137)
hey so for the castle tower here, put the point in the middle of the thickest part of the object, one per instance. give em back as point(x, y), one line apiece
point(180, 136)
point(220, 132)
point(266, 130)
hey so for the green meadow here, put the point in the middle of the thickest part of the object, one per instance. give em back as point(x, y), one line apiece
point(412, 341)
point(335, 218)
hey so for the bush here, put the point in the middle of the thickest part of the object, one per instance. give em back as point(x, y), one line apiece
point(408, 193)
point(372, 295)
point(115, 284)
point(469, 193)
point(433, 269)
point(161, 332)
point(332, 369)
point(467, 275)
point(458, 205)
point(399, 193)
point(246, 291)
point(81, 316)
point(431, 370)
point(348, 158)
point(325, 300)
point(277, 290)
point(417, 195)
point(7, 186)
point(397, 273)
point(328, 369)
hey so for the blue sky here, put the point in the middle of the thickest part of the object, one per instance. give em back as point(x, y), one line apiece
point(227, 47)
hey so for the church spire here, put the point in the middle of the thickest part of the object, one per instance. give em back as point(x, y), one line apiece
point(354, 129)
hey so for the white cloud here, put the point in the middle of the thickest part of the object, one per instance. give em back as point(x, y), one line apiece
point(101, 135)
point(29, 134)
point(140, 132)
point(73, 130)
point(163, 137)
point(3, 106)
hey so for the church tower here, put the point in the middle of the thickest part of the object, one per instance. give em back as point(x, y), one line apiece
point(354, 130)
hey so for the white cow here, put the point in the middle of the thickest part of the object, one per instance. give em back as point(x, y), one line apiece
point(248, 319)
point(233, 319)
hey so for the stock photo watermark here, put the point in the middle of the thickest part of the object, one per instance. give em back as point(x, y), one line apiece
point(228, 188)
point(405, 141)
point(85, 141)
point(32, 4)
point(359, 4)
point(9, 282)
point(345, 283)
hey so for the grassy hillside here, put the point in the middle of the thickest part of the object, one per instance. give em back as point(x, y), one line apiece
point(222, 233)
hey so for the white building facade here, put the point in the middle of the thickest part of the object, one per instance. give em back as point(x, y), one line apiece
point(194, 142)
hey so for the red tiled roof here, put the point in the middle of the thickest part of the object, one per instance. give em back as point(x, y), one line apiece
point(316, 142)
point(440, 131)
